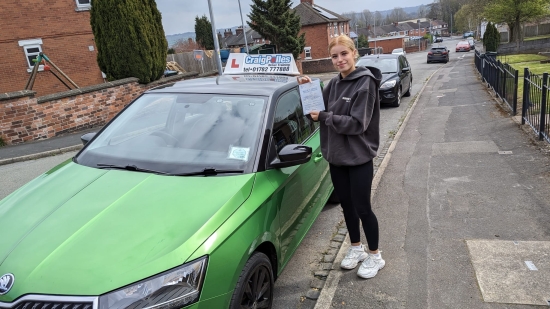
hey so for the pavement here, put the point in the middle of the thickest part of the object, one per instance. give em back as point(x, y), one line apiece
point(462, 201)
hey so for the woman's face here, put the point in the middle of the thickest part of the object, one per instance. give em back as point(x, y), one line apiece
point(343, 59)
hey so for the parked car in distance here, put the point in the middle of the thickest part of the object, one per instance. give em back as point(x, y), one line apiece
point(195, 195)
point(472, 43)
point(396, 76)
point(438, 39)
point(399, 51)
point(439, 54)
point(462, 46)
point(467, 34)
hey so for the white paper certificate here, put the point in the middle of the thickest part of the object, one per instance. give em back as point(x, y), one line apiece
point(312, 97)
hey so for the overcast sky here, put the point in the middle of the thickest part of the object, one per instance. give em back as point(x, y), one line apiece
point(178, 16)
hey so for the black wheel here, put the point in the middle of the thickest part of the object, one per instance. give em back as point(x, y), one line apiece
point(408, 93)
point(397, 101)
point(333, 198)
point(168, 138)
point(255, 286)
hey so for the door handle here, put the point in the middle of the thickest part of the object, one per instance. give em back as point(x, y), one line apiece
point(318, 157)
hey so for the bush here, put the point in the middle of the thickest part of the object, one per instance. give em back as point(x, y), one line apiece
point(2, 143)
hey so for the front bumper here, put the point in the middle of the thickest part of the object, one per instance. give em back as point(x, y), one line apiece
point(388, 95)
point(438, 58)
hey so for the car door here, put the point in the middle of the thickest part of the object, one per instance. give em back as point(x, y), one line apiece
point(405, 77)
point(300, 190)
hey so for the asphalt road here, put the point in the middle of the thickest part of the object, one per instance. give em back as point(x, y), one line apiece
point(297, 278)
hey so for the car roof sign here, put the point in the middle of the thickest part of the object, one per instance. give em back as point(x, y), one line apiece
point(240, 63)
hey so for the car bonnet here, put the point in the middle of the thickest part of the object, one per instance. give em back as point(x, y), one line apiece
point(83, 231)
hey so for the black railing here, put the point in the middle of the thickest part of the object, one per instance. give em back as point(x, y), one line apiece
point(535, 100)
point(501, 77)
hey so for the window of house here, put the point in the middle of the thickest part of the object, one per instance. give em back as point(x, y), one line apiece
point(307, 51)
point(32, 49)
point(83, 4)
point(335, 26)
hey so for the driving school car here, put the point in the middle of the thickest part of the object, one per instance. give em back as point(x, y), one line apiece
point(196, 195)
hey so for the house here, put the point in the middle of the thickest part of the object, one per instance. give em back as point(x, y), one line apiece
point(319, 25)
point(61, 30)
point(237, 40)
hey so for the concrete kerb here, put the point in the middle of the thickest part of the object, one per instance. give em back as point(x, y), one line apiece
point(331, 284)
point(39, 155)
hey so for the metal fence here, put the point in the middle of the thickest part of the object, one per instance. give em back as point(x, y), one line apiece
point(501, 77)
point(535, 100)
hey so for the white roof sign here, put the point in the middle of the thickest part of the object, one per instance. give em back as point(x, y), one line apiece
point(239, 63)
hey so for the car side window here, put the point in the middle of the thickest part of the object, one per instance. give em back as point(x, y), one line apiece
point(290, 125)
point(402, 63)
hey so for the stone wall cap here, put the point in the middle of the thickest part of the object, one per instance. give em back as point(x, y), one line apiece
point(17, 94)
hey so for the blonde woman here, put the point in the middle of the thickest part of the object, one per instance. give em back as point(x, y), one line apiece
point(349, 142)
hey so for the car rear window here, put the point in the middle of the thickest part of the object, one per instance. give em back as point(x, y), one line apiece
point(438, 50)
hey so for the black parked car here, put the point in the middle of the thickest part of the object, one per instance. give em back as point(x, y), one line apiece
point(438, 53)
point(396, 76)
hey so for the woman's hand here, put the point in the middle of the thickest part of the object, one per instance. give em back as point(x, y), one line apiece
point(303, 79)
point(314, 115)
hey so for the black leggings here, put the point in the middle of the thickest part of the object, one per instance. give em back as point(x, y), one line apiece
point(353, 185)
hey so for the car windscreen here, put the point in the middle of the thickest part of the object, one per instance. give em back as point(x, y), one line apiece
point(180, 133)
point(385, 65)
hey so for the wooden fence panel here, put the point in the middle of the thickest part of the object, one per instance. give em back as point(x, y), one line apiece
point(189, 64)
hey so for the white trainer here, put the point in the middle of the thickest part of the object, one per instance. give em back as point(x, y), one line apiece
point(353, 257)
point(370, 267)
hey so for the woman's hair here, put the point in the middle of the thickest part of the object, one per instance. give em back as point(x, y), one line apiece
point(343, 40)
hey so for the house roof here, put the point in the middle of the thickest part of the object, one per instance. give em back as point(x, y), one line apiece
point(238, 40)
point(314, 14)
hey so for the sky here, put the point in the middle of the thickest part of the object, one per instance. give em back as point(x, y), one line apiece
point(178, 16)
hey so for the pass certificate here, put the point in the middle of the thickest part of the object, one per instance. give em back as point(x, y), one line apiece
point(312, 97)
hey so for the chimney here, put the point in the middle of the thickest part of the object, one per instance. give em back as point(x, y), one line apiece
point(310, 2)
point(190, 40)
point(238, 31)
point(227, 33)
point(396, 24)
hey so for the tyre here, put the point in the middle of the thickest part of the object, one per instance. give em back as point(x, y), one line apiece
point(408, 93)
point(255, 286)
point(397, 101)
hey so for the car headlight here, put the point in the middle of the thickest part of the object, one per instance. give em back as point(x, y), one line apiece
point(172, 289)
point(388, 84)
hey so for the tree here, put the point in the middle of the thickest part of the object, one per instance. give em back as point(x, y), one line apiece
point(203, 32)
point(275, 21)
point(491, 38)
point(363, 41)
point(130, 39)
point(514, 13)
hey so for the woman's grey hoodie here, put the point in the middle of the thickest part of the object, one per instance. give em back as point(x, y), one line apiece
point(350, 123)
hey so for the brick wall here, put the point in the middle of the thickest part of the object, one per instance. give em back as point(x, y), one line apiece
point(388, 45)
point(317, 66)
point(24, 117)
point(66, 39)
point(316, 38)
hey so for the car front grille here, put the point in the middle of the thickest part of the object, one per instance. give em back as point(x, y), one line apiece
point(51, 302)
point(49, 305)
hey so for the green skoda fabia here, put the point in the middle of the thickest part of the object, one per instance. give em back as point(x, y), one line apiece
point(196, 195)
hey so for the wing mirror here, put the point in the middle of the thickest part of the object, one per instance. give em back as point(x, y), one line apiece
point(87, 137)
point(405, 70)
point(291, 155)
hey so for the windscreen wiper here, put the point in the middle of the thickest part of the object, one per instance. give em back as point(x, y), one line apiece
point(129, 168)
point(209, 172)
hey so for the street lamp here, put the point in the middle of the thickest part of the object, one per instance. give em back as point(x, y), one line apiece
point(418, 21)
point(244, 31)
point(357, 35)
point(216, 42)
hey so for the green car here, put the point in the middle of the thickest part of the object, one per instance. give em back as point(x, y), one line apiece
point(196, 195)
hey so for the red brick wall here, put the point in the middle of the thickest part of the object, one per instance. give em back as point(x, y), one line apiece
point(317, 38)
point(388, 45)
point(317, 66)
point(66, 36)
point(25, 118)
